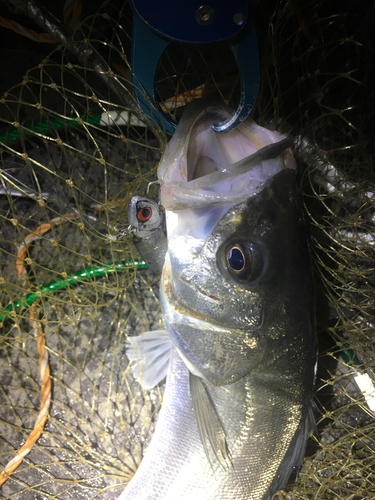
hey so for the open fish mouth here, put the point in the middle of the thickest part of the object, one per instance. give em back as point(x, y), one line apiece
point(204, 173)
point(212, 168)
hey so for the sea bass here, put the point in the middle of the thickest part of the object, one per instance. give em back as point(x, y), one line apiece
point(238, 307)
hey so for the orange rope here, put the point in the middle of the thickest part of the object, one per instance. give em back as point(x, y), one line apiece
point(29, 33)
point(72, 12)
point(182, 99)
point(43, 355)
point(121, 70)
point(36, 235)
point(188, 96)
point(44, 403)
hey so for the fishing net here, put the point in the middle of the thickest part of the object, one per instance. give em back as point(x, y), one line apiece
point(75, 148)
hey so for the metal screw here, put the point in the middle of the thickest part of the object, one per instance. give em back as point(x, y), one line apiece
point(204, 15)
point(238, 18)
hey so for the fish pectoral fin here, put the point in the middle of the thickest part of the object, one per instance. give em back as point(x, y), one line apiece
point(149, 357)
point(209, 426)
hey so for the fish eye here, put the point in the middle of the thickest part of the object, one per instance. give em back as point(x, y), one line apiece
point(144, 214)
point(244, 261)
point(236, 259)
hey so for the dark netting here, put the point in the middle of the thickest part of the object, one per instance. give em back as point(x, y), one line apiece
point(75, 148)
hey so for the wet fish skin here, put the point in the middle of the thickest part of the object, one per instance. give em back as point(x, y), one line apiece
point(248, 337)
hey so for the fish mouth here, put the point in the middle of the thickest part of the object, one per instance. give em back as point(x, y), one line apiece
point(205, 168)
point(169, 291)
point(192, 284)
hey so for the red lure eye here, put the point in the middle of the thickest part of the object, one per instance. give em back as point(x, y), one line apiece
point(144, 214)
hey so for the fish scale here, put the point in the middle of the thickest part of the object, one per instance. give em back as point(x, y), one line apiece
point(175, 465)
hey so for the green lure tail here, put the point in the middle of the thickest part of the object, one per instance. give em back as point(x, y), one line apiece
point(72, 279)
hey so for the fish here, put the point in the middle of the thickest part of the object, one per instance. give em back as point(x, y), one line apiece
point(238, 305)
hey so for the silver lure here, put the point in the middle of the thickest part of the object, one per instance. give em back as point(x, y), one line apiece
point(238, 306)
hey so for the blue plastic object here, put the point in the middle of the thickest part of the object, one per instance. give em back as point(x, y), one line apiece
point(156, 25)
point(191, 22)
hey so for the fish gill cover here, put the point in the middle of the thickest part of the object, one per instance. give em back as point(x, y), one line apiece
point(75, 149)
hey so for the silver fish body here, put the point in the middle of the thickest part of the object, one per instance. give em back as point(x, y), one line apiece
point(238, 305)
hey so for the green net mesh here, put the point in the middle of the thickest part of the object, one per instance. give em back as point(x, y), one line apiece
point(74, 150)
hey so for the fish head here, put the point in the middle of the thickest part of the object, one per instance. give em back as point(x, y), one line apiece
point(144, 216)
point(237, 267)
